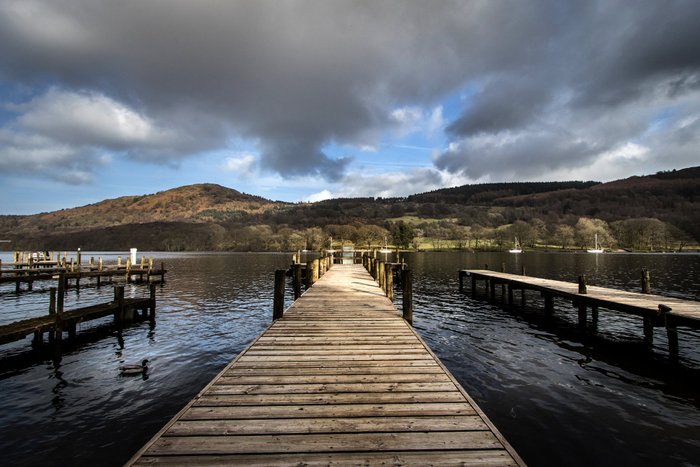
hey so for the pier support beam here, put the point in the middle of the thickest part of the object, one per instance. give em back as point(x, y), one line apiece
point(278, 301)
point(548, 305)
point(389, 281)
point(407, 283)
point(296, 280)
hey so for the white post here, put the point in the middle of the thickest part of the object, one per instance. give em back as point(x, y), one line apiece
point(133, 255)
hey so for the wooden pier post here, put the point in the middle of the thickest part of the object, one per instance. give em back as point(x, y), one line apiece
point(57, 332)
point(296, 280)
point(52, 301)
point(119, 300)
point(278, 300)
point(582, 309)
point(311, 273)
point(381, 275)
point(389, 281)
point(594, 319)
point(646, 281)
point(671, 332)
point(462, 275)
point(648, 333)
point(152, 304)
point(548, 305)
point(582, 284)
point(407, 295)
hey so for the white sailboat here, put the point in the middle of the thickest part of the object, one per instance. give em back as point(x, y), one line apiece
point(596, 249)
point(516, 248)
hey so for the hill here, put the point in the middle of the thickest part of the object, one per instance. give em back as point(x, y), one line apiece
point(212, 217)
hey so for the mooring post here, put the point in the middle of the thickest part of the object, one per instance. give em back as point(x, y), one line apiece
point(548, 305)
point(57, 332)
point(503, 284)
point(52, 301)
point(152, 304)
point(407, 297)
point(582, 289)
point(649, 333)
point(296, 280)
point(119, 300)
point(582, 284)
point(646, 281)
point(389, 281)
point(462, 274)
point(315, 267)
point(278, 301)
point(309, 275)
point(522, 270)
point(594, 319)
point(671, 332)
point(381, 275)
point(60, 293)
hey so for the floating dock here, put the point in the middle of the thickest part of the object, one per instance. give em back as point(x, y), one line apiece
point(340, 379)
point(655, 310)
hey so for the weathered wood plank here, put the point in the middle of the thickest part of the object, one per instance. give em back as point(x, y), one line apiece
point(326, 388)
point(327, 398)
point(328, 425)
point(340, 379)
point(492, 458)
point(327, 411)
point(327, 442)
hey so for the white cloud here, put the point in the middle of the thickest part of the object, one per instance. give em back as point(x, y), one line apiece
point(89, 119)
point(242, 164)
point(320, 196)
point(435, 123)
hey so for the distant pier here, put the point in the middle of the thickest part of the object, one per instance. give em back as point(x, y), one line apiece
point(655, 310)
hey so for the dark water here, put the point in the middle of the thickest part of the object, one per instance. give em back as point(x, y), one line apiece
point(560, 398)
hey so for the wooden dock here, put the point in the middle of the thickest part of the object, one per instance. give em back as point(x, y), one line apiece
point(656, 310)
point(340, 379)
point(58, 321)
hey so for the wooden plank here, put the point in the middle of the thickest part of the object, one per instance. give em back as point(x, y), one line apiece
point(340, 379)
point(312, 442)
point(329, 425)
point(326, 388)
point(327, 411)
point(492, 458)
point(320, 379)
point(327, 398)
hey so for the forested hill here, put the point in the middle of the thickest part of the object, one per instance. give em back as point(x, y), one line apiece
point(651, 212)
point(490, 192)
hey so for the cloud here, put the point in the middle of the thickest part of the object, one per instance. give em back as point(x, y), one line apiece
point(395, 184)
point(320, 196)
point(241, 164)
point(159, 81)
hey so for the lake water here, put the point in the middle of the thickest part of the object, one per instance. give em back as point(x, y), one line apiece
point(560, 397)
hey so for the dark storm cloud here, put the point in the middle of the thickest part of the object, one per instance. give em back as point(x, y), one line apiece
point(184, 77)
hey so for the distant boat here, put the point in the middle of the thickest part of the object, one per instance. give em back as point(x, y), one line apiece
point(516, 248)
point(596, 249)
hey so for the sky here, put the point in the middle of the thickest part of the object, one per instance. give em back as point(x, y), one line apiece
point(308, 100)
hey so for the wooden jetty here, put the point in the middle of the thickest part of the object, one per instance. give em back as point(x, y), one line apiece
point(339, 379)
point(58, 320)
point(656, 310)
point(29, 273)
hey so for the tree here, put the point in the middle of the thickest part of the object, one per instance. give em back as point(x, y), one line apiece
point(564, 235)
point(371, 235)
point(586, 230)
point(402, 234)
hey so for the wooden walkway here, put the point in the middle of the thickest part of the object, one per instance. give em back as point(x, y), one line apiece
point(341, 379)
point(656, 310)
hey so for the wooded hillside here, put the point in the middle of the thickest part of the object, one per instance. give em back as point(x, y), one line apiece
point(656, 212)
